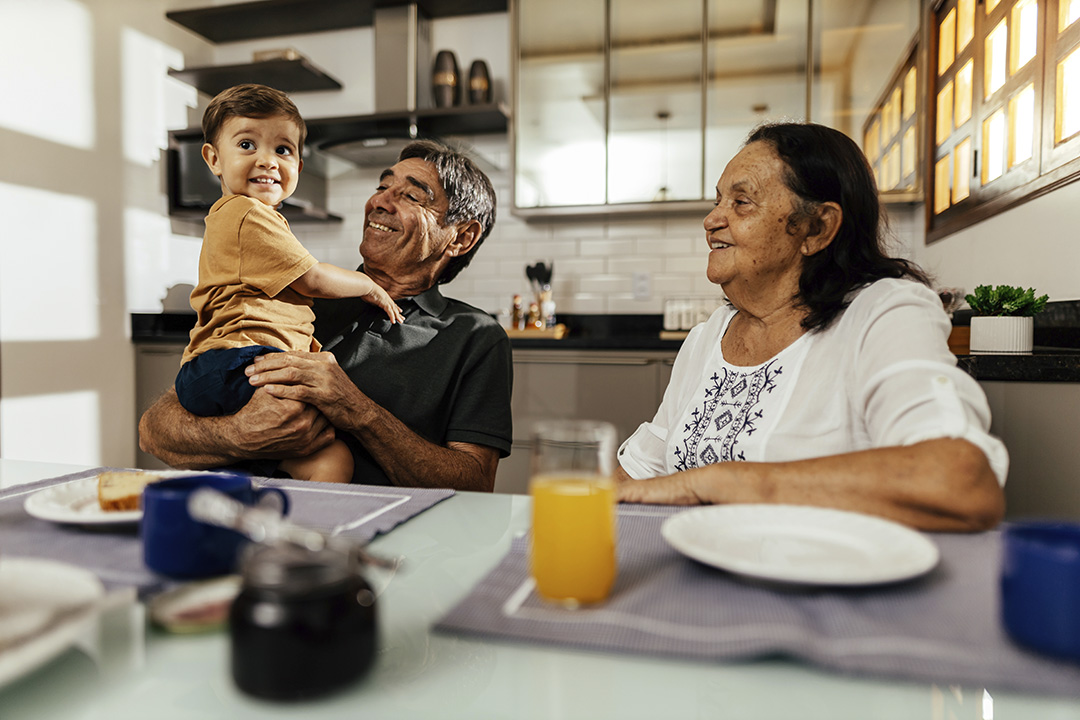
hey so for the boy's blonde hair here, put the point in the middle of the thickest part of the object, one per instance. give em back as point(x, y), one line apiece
point(250, 100)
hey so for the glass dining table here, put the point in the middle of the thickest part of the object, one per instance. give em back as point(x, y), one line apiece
point(123, 667)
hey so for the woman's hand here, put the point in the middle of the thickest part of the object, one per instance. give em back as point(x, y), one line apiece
point(677, 489)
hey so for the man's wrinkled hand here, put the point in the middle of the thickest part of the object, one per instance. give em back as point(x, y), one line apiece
point(272, 427)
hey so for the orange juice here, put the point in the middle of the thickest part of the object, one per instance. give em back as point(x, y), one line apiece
point(573, 537)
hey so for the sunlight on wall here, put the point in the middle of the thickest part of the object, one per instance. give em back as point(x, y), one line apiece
point(48, 280)
point(154, 103)
point(62, 428)
point(155, 260)
point(47, 70)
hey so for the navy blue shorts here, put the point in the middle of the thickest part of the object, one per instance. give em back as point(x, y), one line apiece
point(214, 382)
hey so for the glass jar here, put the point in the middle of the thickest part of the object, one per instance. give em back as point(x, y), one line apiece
point(303, 624)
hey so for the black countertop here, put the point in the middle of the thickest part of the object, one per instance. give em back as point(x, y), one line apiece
point(1056, 357)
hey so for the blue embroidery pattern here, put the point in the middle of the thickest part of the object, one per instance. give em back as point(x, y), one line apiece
point(726, 412)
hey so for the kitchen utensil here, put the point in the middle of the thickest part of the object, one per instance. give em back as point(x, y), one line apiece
point(264, 525)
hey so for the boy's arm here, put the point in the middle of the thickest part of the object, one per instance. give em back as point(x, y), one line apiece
point(324, 280)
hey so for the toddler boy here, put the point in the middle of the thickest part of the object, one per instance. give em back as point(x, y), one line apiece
point(256, 280)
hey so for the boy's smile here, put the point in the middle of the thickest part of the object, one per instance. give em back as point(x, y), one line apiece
point(256, 157)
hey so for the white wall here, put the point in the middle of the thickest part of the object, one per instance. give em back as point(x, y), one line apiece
point(83, 110)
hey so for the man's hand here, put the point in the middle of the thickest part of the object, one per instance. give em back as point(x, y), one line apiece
point(267, 427)
point(271, 427)
point(407, 459)
point(314, 379)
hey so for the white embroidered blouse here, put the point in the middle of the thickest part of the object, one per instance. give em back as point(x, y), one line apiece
point(880, 375)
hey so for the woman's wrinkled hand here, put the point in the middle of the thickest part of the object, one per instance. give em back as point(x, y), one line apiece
point(677, 489)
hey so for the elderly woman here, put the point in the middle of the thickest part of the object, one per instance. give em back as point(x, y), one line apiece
point(827, 379)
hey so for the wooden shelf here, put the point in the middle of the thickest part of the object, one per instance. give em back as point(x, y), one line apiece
point(285, 75)
point(326, 133)
point(271, 18)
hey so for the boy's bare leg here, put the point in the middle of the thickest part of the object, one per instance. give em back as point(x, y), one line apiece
point(334, 464)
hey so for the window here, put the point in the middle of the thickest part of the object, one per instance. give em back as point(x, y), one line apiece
point(890, 133)
point(1006, 106)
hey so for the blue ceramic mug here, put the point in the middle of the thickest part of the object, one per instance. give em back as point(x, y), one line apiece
point(1040, 586)
point(177, 545)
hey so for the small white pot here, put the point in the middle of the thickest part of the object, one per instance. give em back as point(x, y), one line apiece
point(1002, 334)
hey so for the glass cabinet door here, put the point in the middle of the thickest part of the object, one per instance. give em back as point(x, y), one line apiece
point(757, 64)
point(654, 143)
point(560, 120)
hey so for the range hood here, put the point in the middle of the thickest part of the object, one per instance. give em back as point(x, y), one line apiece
point(404, 106)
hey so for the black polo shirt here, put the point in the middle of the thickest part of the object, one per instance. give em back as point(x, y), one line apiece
point(446, 372)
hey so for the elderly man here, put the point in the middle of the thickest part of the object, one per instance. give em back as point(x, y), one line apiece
point(422, 403)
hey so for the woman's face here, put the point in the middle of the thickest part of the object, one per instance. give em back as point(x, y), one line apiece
point(750, 248)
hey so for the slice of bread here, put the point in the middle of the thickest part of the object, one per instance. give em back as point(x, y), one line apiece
point(122, 490)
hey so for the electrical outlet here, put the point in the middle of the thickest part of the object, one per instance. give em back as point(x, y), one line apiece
point(642, 286)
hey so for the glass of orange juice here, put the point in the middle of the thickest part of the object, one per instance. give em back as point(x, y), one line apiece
point(573, 494)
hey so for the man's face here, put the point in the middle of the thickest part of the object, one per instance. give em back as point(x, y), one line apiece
point(256, 157)
point(404, 235)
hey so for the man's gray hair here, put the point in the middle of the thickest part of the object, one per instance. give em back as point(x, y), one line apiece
point(468, 192)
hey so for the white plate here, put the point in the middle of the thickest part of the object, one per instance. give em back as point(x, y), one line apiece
point(45, 606)
point(801, 544)
point(76, 502)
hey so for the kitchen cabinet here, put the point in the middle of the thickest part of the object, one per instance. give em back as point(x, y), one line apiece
point(1037, 421)
point(156, 365)
point(620, 387)
point(646, 101)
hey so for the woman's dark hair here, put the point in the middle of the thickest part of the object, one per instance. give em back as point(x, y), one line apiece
point(824, 165)
point(468, 192)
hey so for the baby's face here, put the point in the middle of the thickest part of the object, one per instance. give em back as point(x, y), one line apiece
point(257, 157)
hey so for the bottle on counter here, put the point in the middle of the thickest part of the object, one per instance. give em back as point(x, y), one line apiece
point(517, 314)
point(536, 320)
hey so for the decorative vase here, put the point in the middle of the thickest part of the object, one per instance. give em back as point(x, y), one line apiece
point(444, 80)
point(479, 83)
point(1002, 334)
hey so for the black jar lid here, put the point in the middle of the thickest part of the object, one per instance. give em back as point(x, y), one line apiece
point(292, 570)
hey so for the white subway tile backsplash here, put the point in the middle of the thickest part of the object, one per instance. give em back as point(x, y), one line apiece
point(606, 248)
point(605, 284)
point(688, 265)
point(627, 305)
point(635, 228)
point(574, 266)
point(562, 230)
point(628, 265)
point(544, 249)
point(582, 304)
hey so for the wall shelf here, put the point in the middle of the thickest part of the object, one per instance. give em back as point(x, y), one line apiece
point(288, 76)
point(270, 18)
point(325, 133)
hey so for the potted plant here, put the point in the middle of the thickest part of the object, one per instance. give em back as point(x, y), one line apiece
point(1003, 318)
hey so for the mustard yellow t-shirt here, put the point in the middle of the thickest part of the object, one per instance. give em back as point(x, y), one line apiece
point(248, 260)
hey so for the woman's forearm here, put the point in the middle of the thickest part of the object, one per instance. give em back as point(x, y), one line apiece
point(937, 485)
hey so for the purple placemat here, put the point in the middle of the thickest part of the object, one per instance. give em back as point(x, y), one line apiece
point(942, 627)
point(114, 552)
